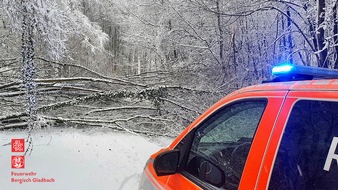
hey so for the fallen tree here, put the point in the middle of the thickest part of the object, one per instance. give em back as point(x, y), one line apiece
point(95, 100)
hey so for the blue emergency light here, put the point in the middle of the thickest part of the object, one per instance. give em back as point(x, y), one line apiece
point(289, 72)
point(281, 69)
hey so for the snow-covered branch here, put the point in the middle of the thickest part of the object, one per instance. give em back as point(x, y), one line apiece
point(91, 71)
point(120, 108)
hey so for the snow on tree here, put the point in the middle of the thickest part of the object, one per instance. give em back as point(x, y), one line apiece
point(50, 22)
point(165, 61)
point(28, 68)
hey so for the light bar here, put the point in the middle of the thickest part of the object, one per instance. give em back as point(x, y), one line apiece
point(281, 69)
point(297, 72)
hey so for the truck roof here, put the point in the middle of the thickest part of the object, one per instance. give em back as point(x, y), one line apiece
point(306, 85)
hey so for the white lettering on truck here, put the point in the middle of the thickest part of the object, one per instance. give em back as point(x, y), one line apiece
point(331, 155)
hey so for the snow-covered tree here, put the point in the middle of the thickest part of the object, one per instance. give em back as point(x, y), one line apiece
point(50, 23)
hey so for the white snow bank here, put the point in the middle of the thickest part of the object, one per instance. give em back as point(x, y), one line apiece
point(79, 159)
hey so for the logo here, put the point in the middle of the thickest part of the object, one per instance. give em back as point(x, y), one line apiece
point(18, 145)
point(331, 155)
point(18, 162)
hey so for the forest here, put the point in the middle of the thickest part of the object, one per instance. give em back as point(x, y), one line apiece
point(148, 66)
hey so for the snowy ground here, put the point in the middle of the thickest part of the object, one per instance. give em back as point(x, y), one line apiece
point(79, 159)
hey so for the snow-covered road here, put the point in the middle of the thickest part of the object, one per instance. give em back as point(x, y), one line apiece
point(74, 159)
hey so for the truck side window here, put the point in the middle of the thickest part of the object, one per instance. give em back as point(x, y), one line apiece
point(224, 140)
point(304, 160)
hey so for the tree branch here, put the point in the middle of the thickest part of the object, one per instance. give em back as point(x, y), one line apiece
point(179, 105)
point(119, 108)
point(93, 72)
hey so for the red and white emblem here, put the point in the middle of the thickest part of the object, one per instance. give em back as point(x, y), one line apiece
point(18, 162)
point(18, 145)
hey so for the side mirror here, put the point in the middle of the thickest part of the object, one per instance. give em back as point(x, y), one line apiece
point(166, 163)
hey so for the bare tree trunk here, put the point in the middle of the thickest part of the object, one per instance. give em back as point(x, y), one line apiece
point(28, 67)
point(275, 55)
point(289, 23)
point(323, 62)
point(312, 29)
point(27, 53)
point(221, 40)
point(335, 33)
point(233, 45)
point(283, 42)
